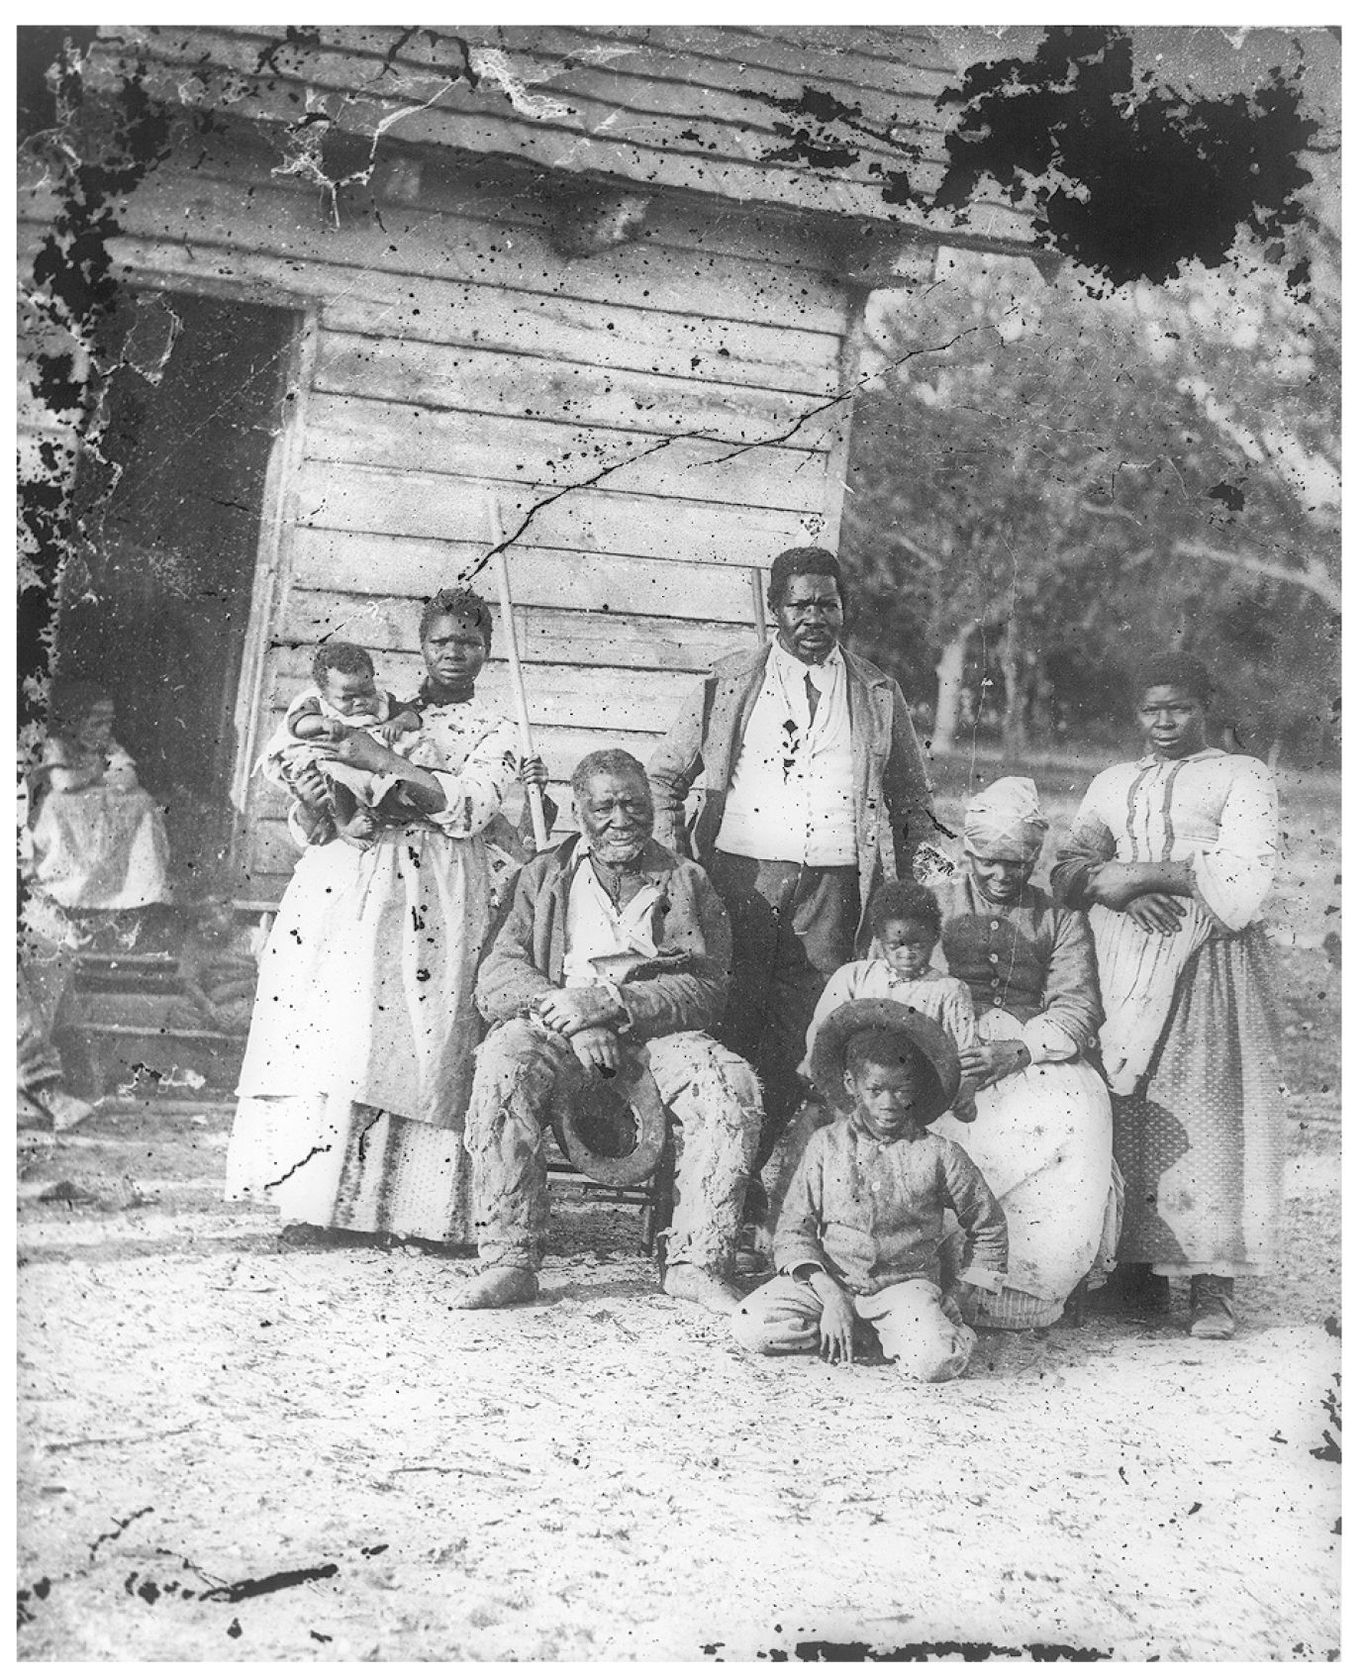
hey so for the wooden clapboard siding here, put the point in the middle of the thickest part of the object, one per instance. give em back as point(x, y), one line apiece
point(406, 568)
point(730, 352)
point(737, 133)
point(652, 109)
point(681, 248)
point(657, 69)
point(520, 321)
point(503, 201)
point(703, 58)
point(357, 430)
point(191, 221)
point(577, 696)
point(646, 105)
point(488, 382)
point(513, 217)
point(507, 205)
point(385, 502)
point(852, 54)
point(743, 62)
point(761, 243)
point(683, 292)
point(633, 641)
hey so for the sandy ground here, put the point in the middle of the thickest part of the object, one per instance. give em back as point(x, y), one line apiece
point(232, 1451)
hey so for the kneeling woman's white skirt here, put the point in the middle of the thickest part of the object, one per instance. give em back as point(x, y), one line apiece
point(1043, 1139)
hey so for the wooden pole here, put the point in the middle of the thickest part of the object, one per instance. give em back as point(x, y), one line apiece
point(533, 793)
point(755, 582)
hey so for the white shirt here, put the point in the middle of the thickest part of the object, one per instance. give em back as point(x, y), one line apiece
point(791, 793)
point(596, 930)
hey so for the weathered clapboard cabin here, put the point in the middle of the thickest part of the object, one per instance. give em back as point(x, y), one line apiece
point(392, 294)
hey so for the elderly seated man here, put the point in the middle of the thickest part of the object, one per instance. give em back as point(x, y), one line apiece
point(613, 949)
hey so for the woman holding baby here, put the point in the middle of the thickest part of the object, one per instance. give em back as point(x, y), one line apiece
point(358, 1066)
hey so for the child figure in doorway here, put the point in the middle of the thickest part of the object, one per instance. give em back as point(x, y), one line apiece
point(342, 697)
point(217, 964)
point(861, 1235)
point(98, 837)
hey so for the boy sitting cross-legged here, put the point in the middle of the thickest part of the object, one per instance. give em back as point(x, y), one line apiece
point(861, 1232)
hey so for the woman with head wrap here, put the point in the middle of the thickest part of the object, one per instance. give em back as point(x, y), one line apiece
point(1173, 856)
point(1042, 1134)
point(99, 839)
point(360, 1057)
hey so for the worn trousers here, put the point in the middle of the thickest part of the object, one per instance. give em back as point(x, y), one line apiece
point(792, 925)
point(524, 1072)
point(908, 1318)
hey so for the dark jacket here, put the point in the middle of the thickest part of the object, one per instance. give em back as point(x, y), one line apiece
point(685, 992)
point(1033, 957)
point(894, 809)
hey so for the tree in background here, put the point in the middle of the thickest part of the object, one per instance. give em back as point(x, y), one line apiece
point(1122, 457)
point(1051, 478)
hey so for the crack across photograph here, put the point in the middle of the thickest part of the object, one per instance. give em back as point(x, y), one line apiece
point(679, 929)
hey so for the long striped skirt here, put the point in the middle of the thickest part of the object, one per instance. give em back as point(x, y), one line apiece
point(366, 992)
point(1201, 1143)
point(337, 1163)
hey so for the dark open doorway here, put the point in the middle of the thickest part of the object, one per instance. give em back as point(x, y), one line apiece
point(156, 603)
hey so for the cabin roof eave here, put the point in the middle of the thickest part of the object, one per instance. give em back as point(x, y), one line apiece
point(820, 127)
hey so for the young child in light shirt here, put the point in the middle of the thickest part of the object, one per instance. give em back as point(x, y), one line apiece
point(906, 922)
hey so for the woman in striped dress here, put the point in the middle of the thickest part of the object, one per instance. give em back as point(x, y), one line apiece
point(1173, 856)
point(360, 1058)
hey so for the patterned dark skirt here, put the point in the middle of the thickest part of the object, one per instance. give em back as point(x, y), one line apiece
point(1201, 1143)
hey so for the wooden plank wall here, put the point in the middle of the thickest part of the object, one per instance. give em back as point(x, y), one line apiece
point(701, 108)
point(456, 353)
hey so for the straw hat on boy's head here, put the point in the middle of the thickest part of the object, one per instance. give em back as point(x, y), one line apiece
point(919, 1037)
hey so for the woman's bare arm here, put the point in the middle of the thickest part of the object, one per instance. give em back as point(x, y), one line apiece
point(363, 752)
point(1115, 884)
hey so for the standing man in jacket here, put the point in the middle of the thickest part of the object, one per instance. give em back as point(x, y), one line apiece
point(813, 789)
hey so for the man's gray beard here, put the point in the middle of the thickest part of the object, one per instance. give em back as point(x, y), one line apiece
point(597, 847)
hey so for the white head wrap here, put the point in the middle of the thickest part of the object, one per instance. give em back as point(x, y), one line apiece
point(1005, 819)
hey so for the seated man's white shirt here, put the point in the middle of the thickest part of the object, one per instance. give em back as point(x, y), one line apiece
point(790, 796)
point(596, 930)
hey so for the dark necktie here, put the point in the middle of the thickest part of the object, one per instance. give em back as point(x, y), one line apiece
point(811, 694)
